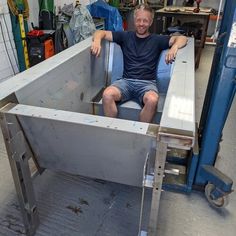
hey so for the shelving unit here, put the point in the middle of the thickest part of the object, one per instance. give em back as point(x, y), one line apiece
point(181, 14)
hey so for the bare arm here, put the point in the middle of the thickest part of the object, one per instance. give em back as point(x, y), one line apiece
point(98, 36)
point(176, 42)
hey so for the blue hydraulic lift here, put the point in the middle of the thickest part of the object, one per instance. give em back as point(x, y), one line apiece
point(218, 100)
point(201, 172)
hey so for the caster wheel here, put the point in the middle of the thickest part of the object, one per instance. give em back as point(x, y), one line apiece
point(219, 202)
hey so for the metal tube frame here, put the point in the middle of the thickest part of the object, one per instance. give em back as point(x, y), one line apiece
point(154, 182)
point(19, 154)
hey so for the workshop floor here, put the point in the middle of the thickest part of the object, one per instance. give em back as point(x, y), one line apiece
point(71, 205)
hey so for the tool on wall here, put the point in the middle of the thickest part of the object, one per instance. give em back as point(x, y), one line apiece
point(23, 38)
point(19, 11)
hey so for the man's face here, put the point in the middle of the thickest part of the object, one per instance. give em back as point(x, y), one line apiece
point(142, 21)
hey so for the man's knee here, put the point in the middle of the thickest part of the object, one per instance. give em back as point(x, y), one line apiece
point(111, 94)
point(150, 99)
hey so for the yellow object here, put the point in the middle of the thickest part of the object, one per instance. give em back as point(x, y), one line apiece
point(15, 11)
point(77, 3)
point(23, 38)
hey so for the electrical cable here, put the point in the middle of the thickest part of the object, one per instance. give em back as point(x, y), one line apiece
point(12, 47)
point(5, 45)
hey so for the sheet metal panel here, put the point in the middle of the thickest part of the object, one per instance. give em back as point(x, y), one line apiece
point(67, 81)
point(178, 115)
point(93, 146)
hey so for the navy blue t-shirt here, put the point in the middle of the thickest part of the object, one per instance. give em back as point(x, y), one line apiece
point(140, 54)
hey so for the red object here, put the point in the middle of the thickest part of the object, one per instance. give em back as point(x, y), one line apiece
point(125, 25)
point(48, 48)
point(197, 10)
point(35, 33)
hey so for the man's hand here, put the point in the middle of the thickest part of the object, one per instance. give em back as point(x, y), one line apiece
point(171, 54)
point(176, 42)
point(98, 36)
point(96, 48)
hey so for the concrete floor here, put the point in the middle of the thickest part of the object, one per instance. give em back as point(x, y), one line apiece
point(71, 205)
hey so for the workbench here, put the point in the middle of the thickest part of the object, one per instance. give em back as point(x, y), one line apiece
point(188, 14)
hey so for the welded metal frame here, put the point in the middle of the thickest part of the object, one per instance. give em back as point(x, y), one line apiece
point(19, 154)
point(160, 160)
point(153, 175)
point(19, 115)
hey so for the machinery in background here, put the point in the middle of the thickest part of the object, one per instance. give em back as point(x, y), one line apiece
point(40, 46)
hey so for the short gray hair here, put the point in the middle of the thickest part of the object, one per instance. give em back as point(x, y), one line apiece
point(144, 7)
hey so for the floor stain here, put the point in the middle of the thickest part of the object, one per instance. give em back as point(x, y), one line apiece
point(113, 194)
point(106, 201)
point(99, 181)
point(83, 202)
point(75, 209)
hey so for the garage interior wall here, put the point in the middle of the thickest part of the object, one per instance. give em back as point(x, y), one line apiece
point(6, 69)
point(7, 48)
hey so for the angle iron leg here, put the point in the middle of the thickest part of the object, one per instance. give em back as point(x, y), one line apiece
point(19, 153)
point(147, 182)
point(161, 153)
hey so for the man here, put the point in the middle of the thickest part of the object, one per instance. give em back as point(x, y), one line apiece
point(141, 51)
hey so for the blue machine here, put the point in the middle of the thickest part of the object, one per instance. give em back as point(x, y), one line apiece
point(197, 165)
point(201, 172)
point(218, 100)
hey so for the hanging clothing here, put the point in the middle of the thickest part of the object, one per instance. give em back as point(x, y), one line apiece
point(81, 24)
point(113, 19)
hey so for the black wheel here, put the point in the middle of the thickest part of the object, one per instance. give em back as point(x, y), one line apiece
point(219, 202)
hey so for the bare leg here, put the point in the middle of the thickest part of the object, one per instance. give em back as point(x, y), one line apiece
point(150, 100)
point(110, 96)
